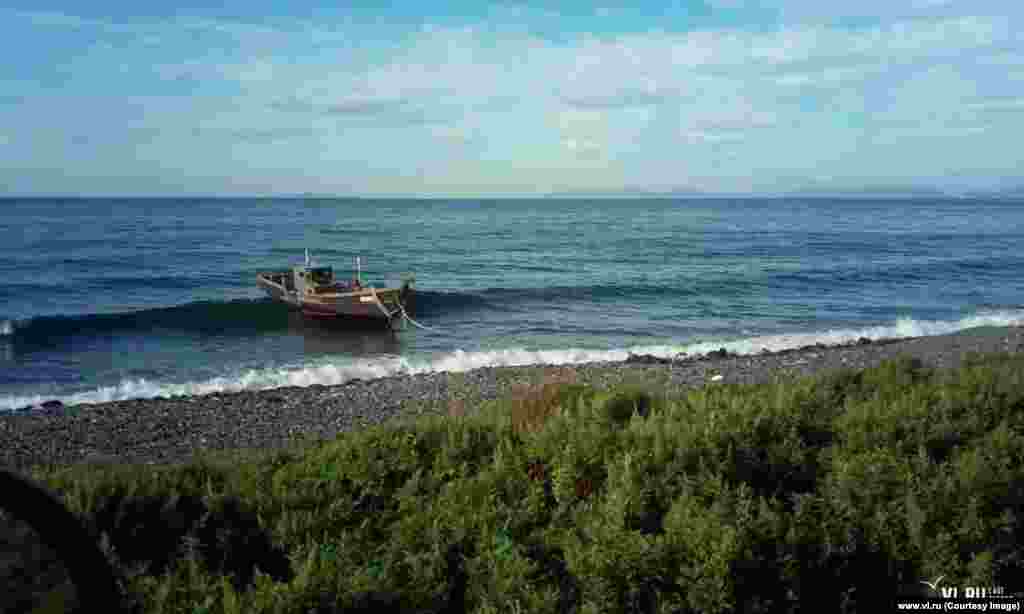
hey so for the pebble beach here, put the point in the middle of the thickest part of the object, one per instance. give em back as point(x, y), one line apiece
point(170, 430)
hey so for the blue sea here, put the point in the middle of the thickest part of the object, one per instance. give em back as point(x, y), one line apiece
point(109, 299)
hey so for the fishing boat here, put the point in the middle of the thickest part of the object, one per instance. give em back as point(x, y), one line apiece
point(318, 294)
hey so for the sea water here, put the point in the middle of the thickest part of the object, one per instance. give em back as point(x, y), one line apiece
point(109, 299)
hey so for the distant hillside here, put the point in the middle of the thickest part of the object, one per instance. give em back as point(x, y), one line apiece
point(877, 191)
point(631, 192)
point(1011, 192)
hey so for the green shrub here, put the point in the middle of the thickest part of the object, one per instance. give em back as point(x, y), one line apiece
point(816, 494)
point(626, 402)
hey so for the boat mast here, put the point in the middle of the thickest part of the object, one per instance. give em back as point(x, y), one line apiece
point(358, 270)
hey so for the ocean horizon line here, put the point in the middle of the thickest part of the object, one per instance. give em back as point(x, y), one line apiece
point(552, 196)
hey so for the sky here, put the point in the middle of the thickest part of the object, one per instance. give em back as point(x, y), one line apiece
point(712, 96)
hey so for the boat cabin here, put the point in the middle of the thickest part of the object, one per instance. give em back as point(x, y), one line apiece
point(320, 276)
point(320, 280)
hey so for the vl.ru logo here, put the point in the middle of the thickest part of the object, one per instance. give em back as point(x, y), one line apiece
point(969, 592)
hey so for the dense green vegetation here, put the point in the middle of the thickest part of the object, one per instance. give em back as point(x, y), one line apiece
point(829, 494)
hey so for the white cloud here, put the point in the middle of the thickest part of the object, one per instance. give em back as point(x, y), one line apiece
point(627, 99)
point(60, 20)
point(733, 115)
point(697, 137)
point(453, 134)
point(1009, 59)
point(582, 146)
point(813, 10)
point(998, 106)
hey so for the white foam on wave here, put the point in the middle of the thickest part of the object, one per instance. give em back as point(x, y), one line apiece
point(901, 329)
point(6, 328)
point(332, 373)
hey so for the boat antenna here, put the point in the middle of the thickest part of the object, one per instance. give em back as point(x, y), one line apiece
point(358, 270)
point(307, 256)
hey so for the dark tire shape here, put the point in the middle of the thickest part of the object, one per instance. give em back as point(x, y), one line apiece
point(94, 579)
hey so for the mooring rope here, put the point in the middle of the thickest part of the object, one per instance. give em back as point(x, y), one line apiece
point(401, 309)
point(414, 322)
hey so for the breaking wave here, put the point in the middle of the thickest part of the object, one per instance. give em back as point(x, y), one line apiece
point(239, 316)
point(200, 316)
point(332, 373)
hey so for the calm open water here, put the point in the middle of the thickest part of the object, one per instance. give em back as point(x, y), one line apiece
point(105, 299)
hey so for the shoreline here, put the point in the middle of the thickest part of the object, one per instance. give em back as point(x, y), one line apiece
point(169, 430)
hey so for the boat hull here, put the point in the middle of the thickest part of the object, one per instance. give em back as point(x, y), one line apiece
point(360, 306)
